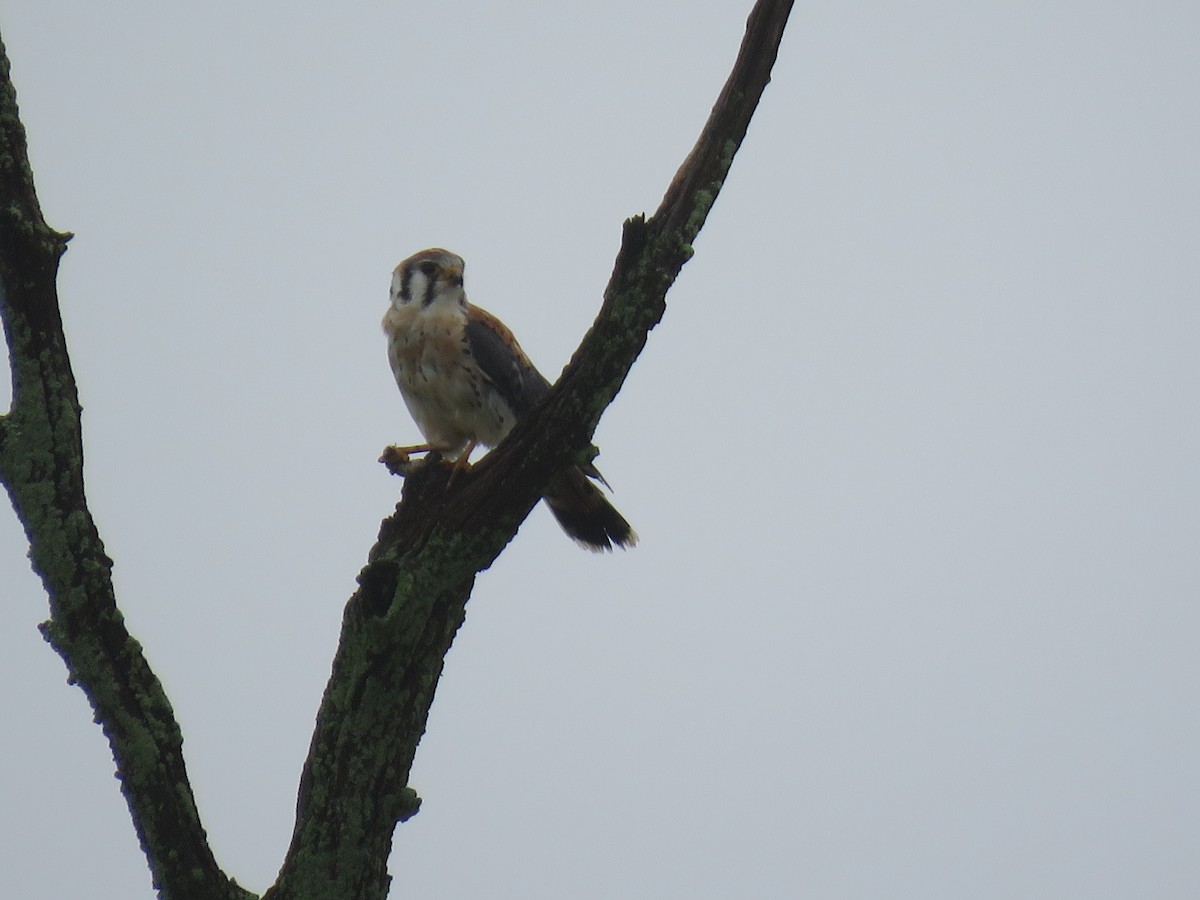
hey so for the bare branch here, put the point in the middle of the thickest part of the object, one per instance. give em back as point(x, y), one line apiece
point(41, 465)
point(412, 593)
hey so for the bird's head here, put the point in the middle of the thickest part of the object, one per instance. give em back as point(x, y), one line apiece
point(431, 278)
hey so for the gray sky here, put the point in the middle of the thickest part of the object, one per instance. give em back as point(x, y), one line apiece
point(913, 455)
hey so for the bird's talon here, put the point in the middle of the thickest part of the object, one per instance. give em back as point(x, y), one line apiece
point(462, 464)
point(397, 460)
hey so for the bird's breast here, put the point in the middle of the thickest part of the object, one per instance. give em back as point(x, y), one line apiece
point(439, 379)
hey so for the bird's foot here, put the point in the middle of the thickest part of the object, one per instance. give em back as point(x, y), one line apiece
point(461, 464)
point(399, 461)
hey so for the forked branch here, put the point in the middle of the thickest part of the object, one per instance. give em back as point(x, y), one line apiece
point(412, 593)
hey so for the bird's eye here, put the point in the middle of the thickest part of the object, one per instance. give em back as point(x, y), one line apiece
point(427, 267)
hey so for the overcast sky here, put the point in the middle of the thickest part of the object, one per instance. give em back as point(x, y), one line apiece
point(913, 455)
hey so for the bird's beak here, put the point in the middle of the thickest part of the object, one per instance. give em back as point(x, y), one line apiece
point(454, 275)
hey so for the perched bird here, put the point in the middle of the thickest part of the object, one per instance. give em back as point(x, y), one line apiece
point(466, 381)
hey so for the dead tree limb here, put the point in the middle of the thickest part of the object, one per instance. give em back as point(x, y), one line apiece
point(400, 623)
point(41, 465)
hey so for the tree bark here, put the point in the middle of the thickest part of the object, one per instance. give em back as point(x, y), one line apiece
point(412, 594)
point(41, 465)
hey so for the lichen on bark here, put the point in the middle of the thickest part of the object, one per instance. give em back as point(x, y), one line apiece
point(413, 590)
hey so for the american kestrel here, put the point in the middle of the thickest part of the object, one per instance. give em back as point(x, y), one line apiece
point(466, 381)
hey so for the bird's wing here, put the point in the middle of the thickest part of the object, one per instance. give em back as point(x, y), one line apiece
point(503, 362)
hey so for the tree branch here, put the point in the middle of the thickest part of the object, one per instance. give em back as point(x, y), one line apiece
point(41, 465)
point(400, 623)
point(412, 592)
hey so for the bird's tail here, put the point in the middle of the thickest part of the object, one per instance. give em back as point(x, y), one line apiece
point(585, 513)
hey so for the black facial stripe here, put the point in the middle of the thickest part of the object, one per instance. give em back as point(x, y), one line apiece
point(430, 287)
point(405, 278)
